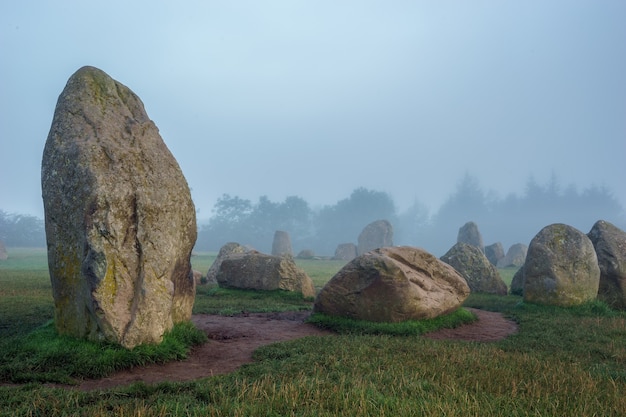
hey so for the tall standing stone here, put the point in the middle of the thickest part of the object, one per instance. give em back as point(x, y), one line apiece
point(120, 222)
point(378, 234)
point(281, 245)
point(470, 235)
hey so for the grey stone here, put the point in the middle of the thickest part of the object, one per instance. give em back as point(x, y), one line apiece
point(609, 242)
point(517, 284)
point(378, 234)
point(120, 222)
point(494, 252)
point(282, 244)
point(473, 265)
point(258, 271)
point(561, 267)
point(306, 254)
point(515, 256)
point(225, 251)
point(470, 235)
point(345, 252)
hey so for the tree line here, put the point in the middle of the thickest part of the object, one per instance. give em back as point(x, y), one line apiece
point(19, 230)
point(509, 220)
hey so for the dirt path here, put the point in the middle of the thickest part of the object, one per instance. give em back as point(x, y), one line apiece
point(234, 339)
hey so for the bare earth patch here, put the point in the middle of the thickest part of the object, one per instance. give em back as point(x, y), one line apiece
point(232, 340)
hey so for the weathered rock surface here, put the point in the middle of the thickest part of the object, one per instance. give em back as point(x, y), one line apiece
point(609, 242)
point(561, 267)
point(515, 256)
point(225, 251)
point(470, 235)
point(473, 265)
point(393, 284)
point(120, 222)
point(494, 252)
point(281, 244)
point(3, 252)
point(377, 234)
point(258, 271)
point(345, 252)
point(517, 284)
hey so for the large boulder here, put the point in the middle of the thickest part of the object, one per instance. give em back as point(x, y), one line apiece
point(473, 265)
point(469, 234)
point(258, 271)
point(226, 250)
point(120, 222)
point(393, 284)
point(610, 245)
point(345, 252)
point(3, 252)
point(515, 256)
point(561, 267)
point(494, 252)
point(378, 234)
point(281, 244)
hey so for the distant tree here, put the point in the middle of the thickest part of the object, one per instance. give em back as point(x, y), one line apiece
point(20, 230)
point(468, 203)
point(412, 225)
point(239, 220)
point(228, 223)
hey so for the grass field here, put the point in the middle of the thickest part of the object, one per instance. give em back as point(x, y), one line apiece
point(563, 362)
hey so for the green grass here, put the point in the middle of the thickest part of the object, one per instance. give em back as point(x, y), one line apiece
point(215, 300)
point(562, 362)
point(45, 356)
point(405, 328)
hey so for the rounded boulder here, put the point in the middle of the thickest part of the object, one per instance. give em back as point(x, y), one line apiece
point(393, 284)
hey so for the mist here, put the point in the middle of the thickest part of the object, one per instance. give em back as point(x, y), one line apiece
point(315, 100)
point(509, 220)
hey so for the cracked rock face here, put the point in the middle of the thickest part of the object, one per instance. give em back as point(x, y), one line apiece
point(120, 222)
point(393, 284)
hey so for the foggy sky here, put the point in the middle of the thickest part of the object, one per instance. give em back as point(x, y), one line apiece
point(317, 98)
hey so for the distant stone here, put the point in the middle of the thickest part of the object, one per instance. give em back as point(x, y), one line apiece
point(393, 284)
point(225, 251)
point(517, 284)
point(378, 234)
point(3, 252)
point(609, 242)
point(258, 271)
point(120, 222)
point(473, 265)
point(515, 256)
point(494, 253)
point(470, 235)
point(306, 254)
point(197, 277)
point(281, 245)
point(345, 252)
point(561, 267)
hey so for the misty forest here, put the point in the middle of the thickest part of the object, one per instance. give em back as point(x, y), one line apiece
point(509, 220)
